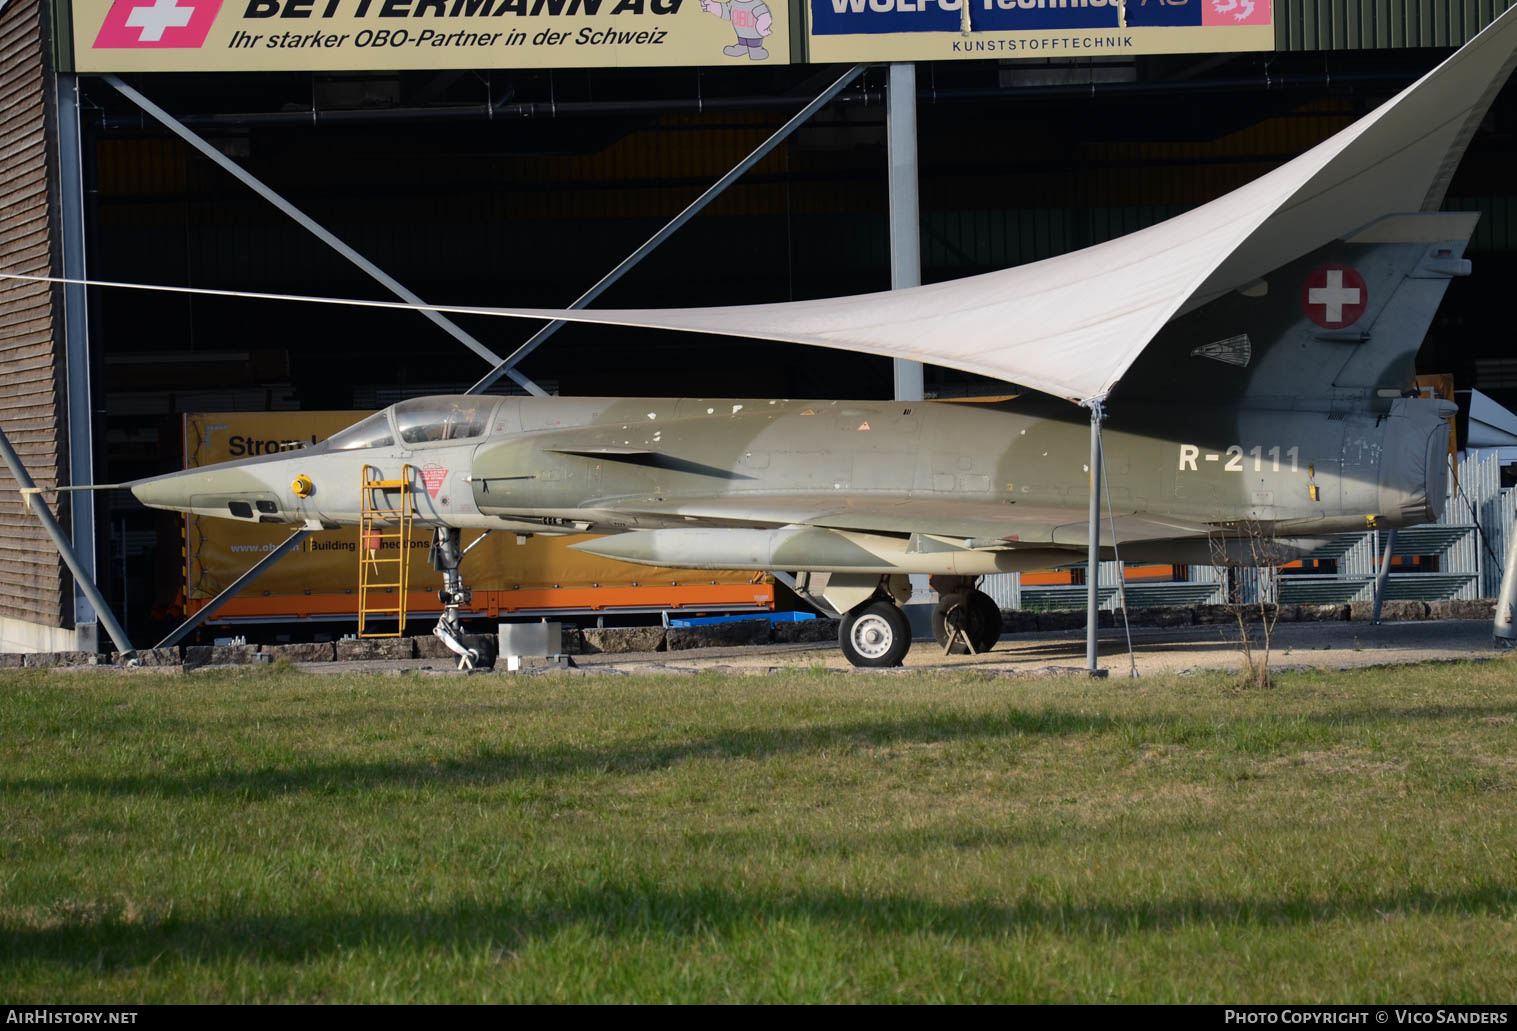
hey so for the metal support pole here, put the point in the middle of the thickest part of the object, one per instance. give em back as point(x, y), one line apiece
point(309, 224)
point(1093, 549)
point(1504, 629)
point(32, 499)
point(507, 365)
point(905, 210)
point(1382, 575)
point(905, 236)
point(76, 339)
point(236, 585)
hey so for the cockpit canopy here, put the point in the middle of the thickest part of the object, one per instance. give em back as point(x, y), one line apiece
point(422, 420)
point(372, 432)
point(448, 417)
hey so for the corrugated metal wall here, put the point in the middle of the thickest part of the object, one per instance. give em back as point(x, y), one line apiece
point(1375, 24)
point(31, 576)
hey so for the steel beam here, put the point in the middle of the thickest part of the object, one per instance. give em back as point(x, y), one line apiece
point(905, 233)
point(76, 344)
point(253, 572)
point(507, 366)
point(1093, 548)
point(1504, 627)
point(1382, 575)
point(905, 212)
point(313, 227)
point(31, 498)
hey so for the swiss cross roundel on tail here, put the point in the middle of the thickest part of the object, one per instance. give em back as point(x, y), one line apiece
point(157, 23)
point(1334, 296)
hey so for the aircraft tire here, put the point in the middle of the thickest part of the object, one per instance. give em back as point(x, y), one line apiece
point(875, 634)
point(973, 611)
point(950, 609)
point(986, 622)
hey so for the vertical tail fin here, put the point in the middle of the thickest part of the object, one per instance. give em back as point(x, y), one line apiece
point(1342, 323)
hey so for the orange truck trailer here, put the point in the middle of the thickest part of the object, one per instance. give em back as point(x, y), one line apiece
point(510, 575)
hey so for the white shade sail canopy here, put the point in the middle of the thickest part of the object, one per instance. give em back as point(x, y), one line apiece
point(1073, 324)
point(1491, 425)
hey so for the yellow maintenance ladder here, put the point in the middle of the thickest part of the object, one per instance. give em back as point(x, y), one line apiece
point(382, 570)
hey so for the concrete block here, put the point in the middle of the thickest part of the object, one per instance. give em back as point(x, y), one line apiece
point(806, 631)
point(1069, 619)
point(430, 647)
point(12, 660)
point(1214, 615)
point(369, 648)
point(1018, 621)
point(196, 655)
point(45, 660)
point(1250, 614)
point(1253, 613)
point(1061, 619)
point(718, 635)
point(158, 656)
point(1319, 613)
point(1471, 608)
point(1390, 612)
point(625, 639)
point(316, 651)
point(1404, 610)
point(1161, 615)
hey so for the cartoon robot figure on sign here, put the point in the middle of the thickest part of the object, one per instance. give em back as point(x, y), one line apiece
point(1229, 6)
point(750, 19)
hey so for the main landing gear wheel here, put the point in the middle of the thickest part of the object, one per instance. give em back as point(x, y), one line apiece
point(965, 620)
point(875, 634)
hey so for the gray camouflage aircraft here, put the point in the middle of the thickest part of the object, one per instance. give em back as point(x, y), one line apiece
point(1247, 414)
point(1257, 355)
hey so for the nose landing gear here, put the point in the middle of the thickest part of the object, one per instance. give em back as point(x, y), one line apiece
point(445, 556)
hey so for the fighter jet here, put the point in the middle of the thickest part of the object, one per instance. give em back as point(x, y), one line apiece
point(1255, 412)
point(1254, 357)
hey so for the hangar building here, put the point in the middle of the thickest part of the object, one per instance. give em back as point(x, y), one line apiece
point(511, 152)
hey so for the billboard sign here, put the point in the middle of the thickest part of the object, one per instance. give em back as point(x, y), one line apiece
point(935, 30)
point(377, 35)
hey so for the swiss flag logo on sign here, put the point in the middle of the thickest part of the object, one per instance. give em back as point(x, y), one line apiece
point(157, 23)
point(1334, 296)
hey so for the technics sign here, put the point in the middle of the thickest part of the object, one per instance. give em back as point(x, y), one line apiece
point(291, 35)
point(930, 30)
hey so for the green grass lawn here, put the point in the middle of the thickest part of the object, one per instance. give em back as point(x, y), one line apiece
point(263, 835)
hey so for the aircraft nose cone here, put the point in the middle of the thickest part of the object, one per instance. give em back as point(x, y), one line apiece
point(171, 491)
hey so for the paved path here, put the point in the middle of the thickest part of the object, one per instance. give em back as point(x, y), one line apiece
point(1335, 645)
point(1296, 645)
